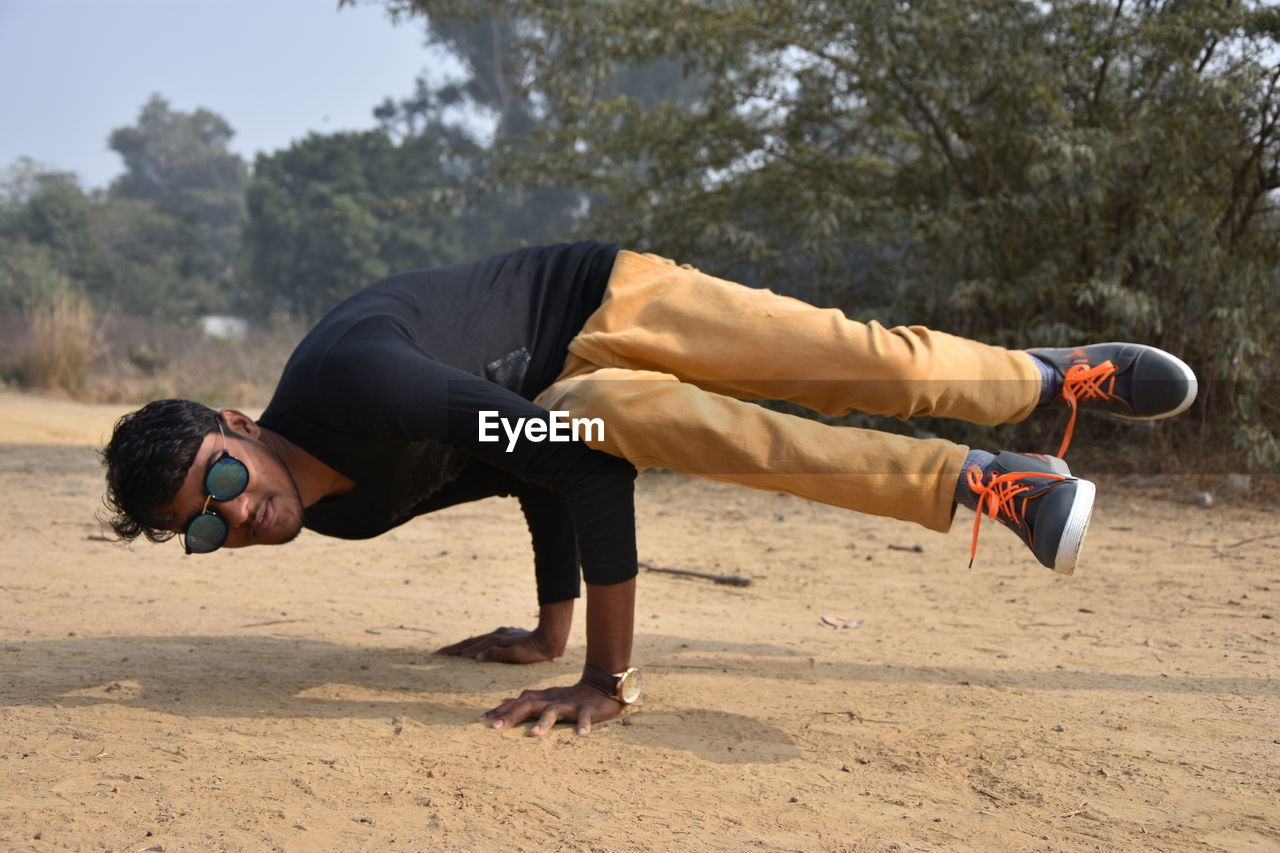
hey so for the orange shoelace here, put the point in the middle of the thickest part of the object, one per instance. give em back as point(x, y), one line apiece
point(1085, 382)
point(1000, 496)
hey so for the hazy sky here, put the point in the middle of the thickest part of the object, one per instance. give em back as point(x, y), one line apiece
point(73, 70)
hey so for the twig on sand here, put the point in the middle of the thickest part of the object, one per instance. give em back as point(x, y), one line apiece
point(855, 717)
point(1250, 539)
point(728, 580)
point(1078, 810)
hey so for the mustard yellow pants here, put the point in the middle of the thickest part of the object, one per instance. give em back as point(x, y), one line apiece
point(671, 355)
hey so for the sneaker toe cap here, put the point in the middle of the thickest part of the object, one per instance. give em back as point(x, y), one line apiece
point(1061, 522)
point(1161, 385)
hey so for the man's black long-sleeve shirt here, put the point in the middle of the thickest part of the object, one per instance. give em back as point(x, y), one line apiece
point(386, 389)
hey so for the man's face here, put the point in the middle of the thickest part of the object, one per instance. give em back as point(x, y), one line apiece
point(267, 512)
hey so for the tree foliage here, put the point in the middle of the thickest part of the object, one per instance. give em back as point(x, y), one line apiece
point(179, 166)
point(332, 213)
point(163, 241)
point(1021, 172)
point(478, 122)
point(48, 243)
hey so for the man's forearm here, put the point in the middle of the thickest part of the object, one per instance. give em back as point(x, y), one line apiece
point(610, 623)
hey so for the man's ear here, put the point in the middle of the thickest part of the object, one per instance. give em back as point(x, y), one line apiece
point(241, 423)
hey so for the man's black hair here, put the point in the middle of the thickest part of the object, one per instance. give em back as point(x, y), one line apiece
point(147, 459)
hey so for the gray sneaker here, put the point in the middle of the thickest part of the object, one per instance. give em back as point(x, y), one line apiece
point(1037, 498)
point(1131, 381)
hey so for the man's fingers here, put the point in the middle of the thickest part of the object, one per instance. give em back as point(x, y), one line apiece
point(546, 721)
point(472, 645)
point(456, 648)
point(550, 706)
point(513, 712)
point(508, 718)
point(476, 649)
point(500, 654)
point(500, 709)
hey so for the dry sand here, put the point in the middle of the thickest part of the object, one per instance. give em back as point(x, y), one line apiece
point(284, 698)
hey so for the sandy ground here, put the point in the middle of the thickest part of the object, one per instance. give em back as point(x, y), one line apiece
point(284, 698)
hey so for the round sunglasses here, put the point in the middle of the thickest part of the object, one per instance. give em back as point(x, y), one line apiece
point(226, 478)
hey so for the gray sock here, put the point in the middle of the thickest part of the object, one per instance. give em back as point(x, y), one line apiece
point(965, 495)
point(1049, 383)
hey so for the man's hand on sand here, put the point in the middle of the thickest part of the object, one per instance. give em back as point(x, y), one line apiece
point(579, 703)
point(504, 645)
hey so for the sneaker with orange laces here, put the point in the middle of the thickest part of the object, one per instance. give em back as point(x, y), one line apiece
point(1131, 381)
point(1037, 498)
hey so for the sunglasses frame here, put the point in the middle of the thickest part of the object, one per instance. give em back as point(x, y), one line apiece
point(205, 512)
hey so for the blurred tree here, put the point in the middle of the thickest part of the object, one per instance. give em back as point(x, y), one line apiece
point(47, 220)
point(179, 164)
point(150, 272)
point(332, 213)
point(477, 121)
point(28, 274)
point(161, 242)
point(47, 254)
point(1023, 172)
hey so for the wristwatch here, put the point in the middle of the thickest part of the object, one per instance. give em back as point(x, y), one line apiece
point(623, 686)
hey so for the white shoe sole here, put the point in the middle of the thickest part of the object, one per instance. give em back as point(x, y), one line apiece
point(1193, 385)
point(1074, 530)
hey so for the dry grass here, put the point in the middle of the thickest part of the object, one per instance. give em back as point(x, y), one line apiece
point(145, 362)
point(62, 336)
point(123, 359)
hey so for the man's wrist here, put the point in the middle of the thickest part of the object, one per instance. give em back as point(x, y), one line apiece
point(597, 680)
point(621, 686)
point(554, 622)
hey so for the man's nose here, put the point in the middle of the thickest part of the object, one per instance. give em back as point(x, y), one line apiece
point(236, 511)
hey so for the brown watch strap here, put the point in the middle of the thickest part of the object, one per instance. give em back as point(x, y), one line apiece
point(599, 680)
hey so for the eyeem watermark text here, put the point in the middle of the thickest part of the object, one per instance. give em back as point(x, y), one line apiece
point(558, 427)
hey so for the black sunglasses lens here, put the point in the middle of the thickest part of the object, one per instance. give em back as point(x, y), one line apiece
point(226, 479)
point(206, 533)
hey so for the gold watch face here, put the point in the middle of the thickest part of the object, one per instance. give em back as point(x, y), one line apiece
point(629, 686)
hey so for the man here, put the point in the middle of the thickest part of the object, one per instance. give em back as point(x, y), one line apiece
point(390, 408)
